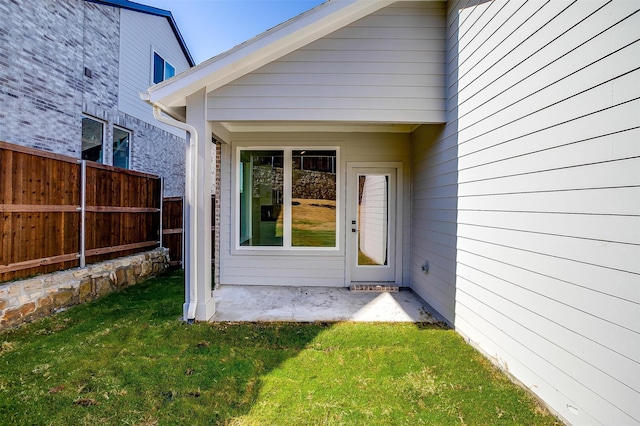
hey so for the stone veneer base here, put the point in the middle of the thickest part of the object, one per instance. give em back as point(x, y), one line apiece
point(25, 300)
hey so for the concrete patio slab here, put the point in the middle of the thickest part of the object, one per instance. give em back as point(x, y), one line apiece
point(310, 304)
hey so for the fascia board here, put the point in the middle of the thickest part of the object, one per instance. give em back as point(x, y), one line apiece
point(136, 7)
point(316, 126)
point(263, 49)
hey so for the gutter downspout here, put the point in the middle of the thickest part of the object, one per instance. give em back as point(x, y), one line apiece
point(190, 191)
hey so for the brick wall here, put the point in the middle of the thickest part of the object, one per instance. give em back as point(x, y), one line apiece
point(216, 212)
point(162, 153)
point(101, 53)
point(45, 46)
point(41, 74)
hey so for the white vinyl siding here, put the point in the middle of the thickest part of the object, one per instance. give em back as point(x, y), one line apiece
point(387, 67)
point(527, 205)
point(433, 217)
point(140, 35)
point(306, 267)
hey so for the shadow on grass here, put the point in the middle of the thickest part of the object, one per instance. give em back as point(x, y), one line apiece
point(127, 358)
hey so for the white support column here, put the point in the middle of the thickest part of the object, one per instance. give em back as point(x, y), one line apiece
point(198, 212)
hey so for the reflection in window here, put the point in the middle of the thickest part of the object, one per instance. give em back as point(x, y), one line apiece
point(313, 199)
point(261, 198)
point(162, 69)
point(310, 179)
point(373, 219)
point(121, 141)
point(92, 137)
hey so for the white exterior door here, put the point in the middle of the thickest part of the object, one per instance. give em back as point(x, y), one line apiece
point(371, 223)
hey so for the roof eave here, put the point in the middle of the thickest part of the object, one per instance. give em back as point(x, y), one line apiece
point(136, 7)
point(177, 113)
point(263, 49)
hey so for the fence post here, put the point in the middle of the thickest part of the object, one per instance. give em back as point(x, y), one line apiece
point(83, 211)
point(184, 227)
point(161, 208)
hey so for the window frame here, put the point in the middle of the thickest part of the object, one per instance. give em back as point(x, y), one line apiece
point(113, 152)
point(165, 63)
point(102, 143)
point(287, 248)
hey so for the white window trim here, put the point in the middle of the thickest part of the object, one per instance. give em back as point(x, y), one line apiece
point(286, 248)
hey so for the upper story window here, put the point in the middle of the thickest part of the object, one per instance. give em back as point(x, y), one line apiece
point(162, 69)
point(92, 139)
point(121, 147)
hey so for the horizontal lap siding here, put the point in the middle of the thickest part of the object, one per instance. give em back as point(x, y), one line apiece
point(278, 270)
point(387, 67)
point(433, 218)
point(299, 268)
point(548, 225)
point(140, 35)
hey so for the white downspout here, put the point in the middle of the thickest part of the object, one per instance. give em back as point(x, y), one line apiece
point(190, 190)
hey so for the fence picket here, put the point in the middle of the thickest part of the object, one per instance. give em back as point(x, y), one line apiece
point(47, 222)
point(173, 229)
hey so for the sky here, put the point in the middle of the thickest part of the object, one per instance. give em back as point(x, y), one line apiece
point(210, 27)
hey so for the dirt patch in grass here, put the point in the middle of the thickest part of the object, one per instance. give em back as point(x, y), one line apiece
point(313, 215)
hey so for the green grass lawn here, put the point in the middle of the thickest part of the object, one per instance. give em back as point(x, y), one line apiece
point(128, 359)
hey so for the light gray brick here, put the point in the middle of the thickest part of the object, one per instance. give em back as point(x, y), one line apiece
point(44, 47)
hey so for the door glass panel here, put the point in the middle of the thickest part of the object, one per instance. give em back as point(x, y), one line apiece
point(313, 199)
point(261, 198)
point(373, 219)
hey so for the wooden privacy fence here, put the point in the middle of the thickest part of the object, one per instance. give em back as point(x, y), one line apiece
point(58, 212)
point(173, 229)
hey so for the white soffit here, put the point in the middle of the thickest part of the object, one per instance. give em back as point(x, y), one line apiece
point(316, 126)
